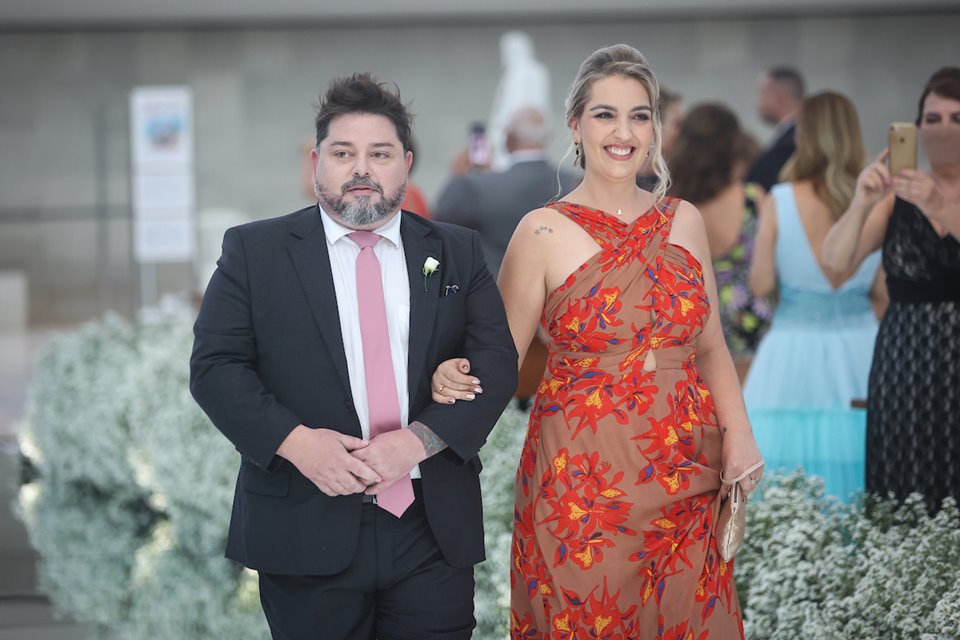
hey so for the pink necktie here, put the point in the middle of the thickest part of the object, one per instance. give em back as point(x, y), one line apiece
point(377, 365)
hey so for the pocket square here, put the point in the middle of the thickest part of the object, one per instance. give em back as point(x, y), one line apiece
point(450, 289)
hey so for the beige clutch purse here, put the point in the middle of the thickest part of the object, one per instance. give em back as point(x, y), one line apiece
point(732, 522)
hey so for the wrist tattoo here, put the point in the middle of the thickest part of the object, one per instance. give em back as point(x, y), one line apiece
point(723, 429)
point(431, 442)
point(542, 229)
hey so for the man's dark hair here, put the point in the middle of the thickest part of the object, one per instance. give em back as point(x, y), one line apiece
point(362, 93)
point(790, 79)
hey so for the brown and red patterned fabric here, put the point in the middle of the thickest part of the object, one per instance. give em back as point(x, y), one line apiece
point(617, 489)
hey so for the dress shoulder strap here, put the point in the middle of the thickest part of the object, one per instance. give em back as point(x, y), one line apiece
point(667, 209)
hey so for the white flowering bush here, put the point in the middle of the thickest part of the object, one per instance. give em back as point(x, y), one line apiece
point(184, 465)
point(500, 456)
point(130, 506)
point(183, 594)
point(76, 424)
point(816, 568)
point(87, 546)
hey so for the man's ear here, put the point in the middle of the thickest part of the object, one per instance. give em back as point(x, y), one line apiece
point(409, 160)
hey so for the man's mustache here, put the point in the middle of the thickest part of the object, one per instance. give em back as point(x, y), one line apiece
point(361, 182)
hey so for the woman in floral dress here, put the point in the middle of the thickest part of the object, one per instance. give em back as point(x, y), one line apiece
point(618, 486)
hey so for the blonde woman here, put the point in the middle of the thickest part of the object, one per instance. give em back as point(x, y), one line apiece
point(639, 411)
point(816, 357)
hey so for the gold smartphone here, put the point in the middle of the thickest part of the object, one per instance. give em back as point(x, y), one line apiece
point(902, 138)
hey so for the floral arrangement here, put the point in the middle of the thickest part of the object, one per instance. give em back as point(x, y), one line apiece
point(815, 568)
point(133, 486)
point(132, 491)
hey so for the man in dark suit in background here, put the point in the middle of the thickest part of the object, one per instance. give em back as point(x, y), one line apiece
point(779, 94)
point(358, 498)
point(493, 203)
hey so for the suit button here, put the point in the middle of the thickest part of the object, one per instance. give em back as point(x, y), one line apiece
point(348, 405)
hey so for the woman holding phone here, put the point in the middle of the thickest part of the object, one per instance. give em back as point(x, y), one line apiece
point(913, 403)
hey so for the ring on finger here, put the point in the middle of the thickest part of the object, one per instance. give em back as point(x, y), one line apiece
point(440, 390)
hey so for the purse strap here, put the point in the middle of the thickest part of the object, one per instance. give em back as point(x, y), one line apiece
point(742, 475)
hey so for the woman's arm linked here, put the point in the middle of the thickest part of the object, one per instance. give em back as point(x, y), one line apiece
point(523, 289)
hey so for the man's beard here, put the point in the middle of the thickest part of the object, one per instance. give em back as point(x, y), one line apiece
point(361, 212)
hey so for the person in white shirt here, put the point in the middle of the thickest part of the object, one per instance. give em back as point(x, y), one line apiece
point(358, 498)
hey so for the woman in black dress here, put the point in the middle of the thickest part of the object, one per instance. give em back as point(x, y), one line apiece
point(913, 404)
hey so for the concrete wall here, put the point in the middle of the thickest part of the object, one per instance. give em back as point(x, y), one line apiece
point(64, 129)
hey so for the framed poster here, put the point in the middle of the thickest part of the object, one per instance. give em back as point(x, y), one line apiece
point(163, 189)
point(161, 122)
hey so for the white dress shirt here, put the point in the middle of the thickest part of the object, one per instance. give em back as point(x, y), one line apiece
point(396, 292)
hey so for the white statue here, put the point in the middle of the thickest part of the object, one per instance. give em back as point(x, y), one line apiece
point(525, 82)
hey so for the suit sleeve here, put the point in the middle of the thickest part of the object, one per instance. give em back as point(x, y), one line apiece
point(455, 202)
point(766, 169)
point(223, 367)
point(489, 346)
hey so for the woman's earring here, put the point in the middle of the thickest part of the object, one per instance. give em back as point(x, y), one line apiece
point(576, 148)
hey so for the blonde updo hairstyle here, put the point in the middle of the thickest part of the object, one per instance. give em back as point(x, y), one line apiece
point(625, 61)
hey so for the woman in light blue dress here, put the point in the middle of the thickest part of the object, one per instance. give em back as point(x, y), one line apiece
point(815, 360)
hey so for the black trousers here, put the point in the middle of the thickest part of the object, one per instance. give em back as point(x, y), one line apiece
point(398, 587)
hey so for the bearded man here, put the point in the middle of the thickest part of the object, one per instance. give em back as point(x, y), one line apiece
point(358, 498)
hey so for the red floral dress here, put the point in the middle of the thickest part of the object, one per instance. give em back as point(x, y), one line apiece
point(617, 487)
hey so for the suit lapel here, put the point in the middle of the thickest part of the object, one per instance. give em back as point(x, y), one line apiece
point(312, 263)
point(418, 245)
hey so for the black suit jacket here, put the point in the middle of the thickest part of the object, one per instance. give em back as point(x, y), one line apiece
point(268, 355)
point(766, 169)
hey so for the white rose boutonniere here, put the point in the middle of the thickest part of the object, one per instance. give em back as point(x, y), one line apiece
point(430, 266)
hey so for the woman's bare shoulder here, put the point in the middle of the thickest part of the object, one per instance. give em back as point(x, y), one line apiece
point(544, 222)
point(688, 219)
point(689, 230)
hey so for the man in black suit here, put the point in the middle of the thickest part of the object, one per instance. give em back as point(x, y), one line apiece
point(494, 202)
point(779, 94)
point(358, 498)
